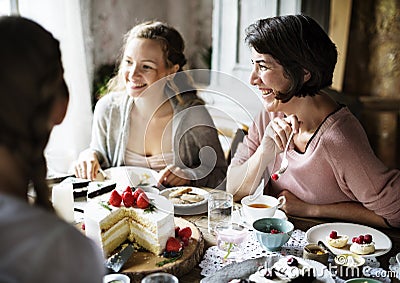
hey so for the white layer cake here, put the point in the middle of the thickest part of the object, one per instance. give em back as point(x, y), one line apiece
point(110, 228)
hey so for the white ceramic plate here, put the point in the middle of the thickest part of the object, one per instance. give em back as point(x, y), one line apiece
point(132, 176)
point(192, 208)
point(246, 268)
point(320, 232)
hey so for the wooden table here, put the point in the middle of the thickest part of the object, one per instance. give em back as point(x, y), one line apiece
point(299, 223)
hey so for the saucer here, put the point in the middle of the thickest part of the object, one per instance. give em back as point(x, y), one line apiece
point(238, 217)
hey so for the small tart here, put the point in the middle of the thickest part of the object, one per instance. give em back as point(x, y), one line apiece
point(338, 242)
point(362, 249)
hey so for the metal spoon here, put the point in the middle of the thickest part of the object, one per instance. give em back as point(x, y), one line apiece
point(323, 246)
point(285, 162)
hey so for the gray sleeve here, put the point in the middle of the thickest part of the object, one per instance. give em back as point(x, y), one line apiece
point(199, 150)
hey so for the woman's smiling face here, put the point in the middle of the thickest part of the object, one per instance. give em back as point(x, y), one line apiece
point(268, 75)
point(143, 64)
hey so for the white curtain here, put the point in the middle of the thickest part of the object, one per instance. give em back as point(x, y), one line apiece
point(63, 19)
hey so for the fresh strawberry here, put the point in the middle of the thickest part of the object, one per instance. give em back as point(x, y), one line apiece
point(115, 198)
point(136, 193)
point(185, 232)
point(127, 198)
point(173, 245)
point(185, 241)
point(274, 176)
point(142, 201)
point(368, 239)
point(333, 235)
point(177, 231)
point(128, 189)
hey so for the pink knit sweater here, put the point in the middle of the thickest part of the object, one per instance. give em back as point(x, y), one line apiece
point(338, 165)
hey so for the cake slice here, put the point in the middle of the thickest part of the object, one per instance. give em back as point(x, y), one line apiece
point(109, 226)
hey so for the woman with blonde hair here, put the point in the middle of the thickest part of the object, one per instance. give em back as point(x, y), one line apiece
point(152, 116)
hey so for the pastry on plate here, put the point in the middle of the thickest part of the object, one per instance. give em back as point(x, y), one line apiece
point(362, 245)
point(179, 192)
point(337, 241)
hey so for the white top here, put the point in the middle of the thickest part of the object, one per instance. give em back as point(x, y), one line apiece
point(155, 162)
point(37, 246)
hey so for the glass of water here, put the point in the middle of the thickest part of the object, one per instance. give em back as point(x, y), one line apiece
point(220, 206)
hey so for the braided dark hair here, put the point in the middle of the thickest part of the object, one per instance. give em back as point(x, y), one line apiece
point(30, 77)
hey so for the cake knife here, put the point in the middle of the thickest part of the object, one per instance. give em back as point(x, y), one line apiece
point(117, 261)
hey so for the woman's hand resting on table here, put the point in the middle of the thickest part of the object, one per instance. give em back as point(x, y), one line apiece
point(348, 211)
point(172, 176)
point(295, 206)
point(87, 166)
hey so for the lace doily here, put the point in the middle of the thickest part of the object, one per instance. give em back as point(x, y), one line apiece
point(213, 259)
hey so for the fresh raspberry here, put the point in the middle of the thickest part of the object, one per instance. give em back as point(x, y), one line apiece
point(177, 231)
point(361, 239)
point(333, 235)
point(136, 193)
point(354, 240)
point(275, 231)
point(185, 232)
point(115, 198)
point(142, 201)
point(274, 176)
point(173, 245)
point(368, 239)
point(127, 198)
point(292, 261)
point(83, 227)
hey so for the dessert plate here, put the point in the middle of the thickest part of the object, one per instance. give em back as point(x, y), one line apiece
point(132, 176)
point(383, 244)
point(245, 268)
point(190, 208)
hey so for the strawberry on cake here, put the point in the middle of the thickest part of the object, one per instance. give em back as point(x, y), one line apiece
point(144, 218)
point(337, 241)
point(362, 245)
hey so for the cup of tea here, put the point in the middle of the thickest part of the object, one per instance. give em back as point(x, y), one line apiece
point(261, 207)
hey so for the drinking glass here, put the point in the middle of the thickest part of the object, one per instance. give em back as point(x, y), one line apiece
point(160, 277)
point(220, 206)
point(230, 237)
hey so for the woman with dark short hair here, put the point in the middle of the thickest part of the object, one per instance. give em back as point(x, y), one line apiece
point(333, 172)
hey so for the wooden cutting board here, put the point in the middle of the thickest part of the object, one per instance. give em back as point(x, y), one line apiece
point(142, 263)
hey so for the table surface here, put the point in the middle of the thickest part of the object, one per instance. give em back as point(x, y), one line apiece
point(302, 224)
point(299, 223)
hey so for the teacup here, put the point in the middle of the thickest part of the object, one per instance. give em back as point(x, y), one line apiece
point(262, 207)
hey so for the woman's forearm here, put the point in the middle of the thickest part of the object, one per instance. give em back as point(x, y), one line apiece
point(243, 179)
point(349, 211)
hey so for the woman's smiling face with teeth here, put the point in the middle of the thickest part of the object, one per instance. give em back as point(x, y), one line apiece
point(268, 75)
point(143, 64)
